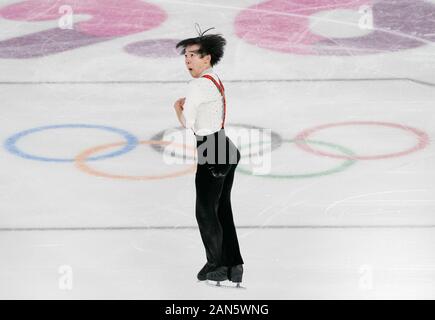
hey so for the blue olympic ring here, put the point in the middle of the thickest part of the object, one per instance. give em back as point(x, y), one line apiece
point(10, 143)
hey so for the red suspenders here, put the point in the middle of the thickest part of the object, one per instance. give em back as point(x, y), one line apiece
point(221, 89)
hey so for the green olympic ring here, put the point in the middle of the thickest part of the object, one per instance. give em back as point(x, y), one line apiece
point(341, 167)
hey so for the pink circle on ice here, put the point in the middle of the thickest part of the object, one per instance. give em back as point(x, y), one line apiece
point(283, 26)
point(109, 18)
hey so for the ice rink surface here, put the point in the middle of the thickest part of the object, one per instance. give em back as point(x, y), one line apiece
point(89, 209)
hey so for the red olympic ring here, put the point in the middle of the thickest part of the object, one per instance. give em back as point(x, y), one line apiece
point(423, 140)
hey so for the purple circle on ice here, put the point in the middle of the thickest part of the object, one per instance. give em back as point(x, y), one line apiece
point(157, 48)
point(47, 42)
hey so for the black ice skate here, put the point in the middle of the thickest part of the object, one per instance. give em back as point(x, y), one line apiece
point(219, 274)
point(235, 274)
point(202, 274)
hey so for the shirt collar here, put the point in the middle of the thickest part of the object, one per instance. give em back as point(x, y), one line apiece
point(209, 70)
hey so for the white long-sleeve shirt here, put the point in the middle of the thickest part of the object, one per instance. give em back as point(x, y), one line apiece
point(203, 108)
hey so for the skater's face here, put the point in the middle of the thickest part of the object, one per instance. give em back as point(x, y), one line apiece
point(194, 62)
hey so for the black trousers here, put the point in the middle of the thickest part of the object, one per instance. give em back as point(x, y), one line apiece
point(217, 161)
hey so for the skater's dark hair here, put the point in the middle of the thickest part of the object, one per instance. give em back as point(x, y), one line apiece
point(212, 44)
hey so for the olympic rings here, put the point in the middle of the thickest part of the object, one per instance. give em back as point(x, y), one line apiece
point(341, 167)
point(82, 157)
point(11, 143)
point(423, 139)
point(301, 140)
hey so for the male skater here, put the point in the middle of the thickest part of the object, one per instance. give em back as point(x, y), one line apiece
point(203, 110)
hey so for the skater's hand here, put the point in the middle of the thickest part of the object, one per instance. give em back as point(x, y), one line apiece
point(178, 105)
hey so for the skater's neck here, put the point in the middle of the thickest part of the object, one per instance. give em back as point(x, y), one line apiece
point(208, 69)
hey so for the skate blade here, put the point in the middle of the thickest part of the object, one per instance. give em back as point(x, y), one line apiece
point(224, 284)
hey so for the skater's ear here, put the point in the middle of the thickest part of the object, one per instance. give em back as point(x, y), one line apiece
point(207, 59)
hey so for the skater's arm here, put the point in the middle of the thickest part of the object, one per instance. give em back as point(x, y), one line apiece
point(194, 97)
point(178, 106)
